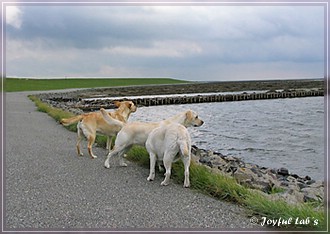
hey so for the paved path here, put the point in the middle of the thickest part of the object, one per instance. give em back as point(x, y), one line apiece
point(48, 186)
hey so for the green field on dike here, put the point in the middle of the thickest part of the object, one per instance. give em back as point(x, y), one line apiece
point(22, 84)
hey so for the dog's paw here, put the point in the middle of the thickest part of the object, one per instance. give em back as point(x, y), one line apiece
point(164, 183)
point(122, 163)
point(107, 165)
point(186, 185)
point(151, 178)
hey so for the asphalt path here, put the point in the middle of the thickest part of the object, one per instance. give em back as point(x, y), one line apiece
point(48, 187)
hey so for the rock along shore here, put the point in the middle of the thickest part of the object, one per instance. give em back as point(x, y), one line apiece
point(276, 183)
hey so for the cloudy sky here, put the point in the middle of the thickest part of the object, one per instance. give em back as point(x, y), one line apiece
point(214, 42)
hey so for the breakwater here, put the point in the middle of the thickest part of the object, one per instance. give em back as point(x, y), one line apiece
point(96, 104)
point(84, 100)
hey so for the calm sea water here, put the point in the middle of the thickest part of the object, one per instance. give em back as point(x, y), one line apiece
point(272, 133)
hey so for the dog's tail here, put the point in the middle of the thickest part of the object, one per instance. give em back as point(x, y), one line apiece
point(68, 121)
point(183, 140)
point(184, 148)
point(110, 120)
point(184, 143)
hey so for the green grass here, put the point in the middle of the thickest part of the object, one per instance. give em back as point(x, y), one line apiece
point(219, 186)
point(226, 188)
point(55, 113)
point(17, 84)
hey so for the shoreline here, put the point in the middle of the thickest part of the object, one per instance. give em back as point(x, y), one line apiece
point(276, 183)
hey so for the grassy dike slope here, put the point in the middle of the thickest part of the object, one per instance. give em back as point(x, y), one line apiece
point(203, 178)
point(20, 84)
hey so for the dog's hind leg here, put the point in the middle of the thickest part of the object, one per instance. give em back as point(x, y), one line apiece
point(186, 163)
point(79, 138)
point(167, 164)
point(152, 166)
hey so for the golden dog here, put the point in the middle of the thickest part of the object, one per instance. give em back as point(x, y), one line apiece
point(91, 123)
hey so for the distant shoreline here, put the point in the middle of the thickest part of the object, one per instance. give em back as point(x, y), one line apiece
point(158, 85)
point(74, 100)
point(198, 87)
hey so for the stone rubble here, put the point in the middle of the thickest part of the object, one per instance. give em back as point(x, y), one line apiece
point(275, 183)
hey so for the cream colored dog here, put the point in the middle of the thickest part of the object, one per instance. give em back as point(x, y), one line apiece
point(91, 123)
point(165, 144)
point(136, 133)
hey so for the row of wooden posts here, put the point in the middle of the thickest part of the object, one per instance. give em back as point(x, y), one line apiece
point(153, 101)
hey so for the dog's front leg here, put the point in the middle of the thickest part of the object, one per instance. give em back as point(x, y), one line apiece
point(122, 161)
point(117, 151)
point(91, 140)
point(107, 161)
point(160, 166)
point(152, 166)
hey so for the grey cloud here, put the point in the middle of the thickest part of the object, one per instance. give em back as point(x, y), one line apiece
point(223, 35)
point(72, 26)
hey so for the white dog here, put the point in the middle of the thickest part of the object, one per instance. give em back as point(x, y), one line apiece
point(136, 133)
point(165, 144)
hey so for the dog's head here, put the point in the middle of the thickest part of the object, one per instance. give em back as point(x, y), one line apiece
point(126, 105)
point(192, 119)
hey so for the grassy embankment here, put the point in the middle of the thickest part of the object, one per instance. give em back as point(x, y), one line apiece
point(17, 84)
point(220, 186)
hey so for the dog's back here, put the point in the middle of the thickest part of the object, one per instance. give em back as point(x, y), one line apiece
point(177, 136)
point(172, 138)
point(135, 133)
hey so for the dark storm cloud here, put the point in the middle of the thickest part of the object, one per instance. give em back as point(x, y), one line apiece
point(96, 27)
point(79, 27)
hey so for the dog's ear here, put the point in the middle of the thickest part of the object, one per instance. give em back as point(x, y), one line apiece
point(117, 103)
point(189, 114)
point(129, 105)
